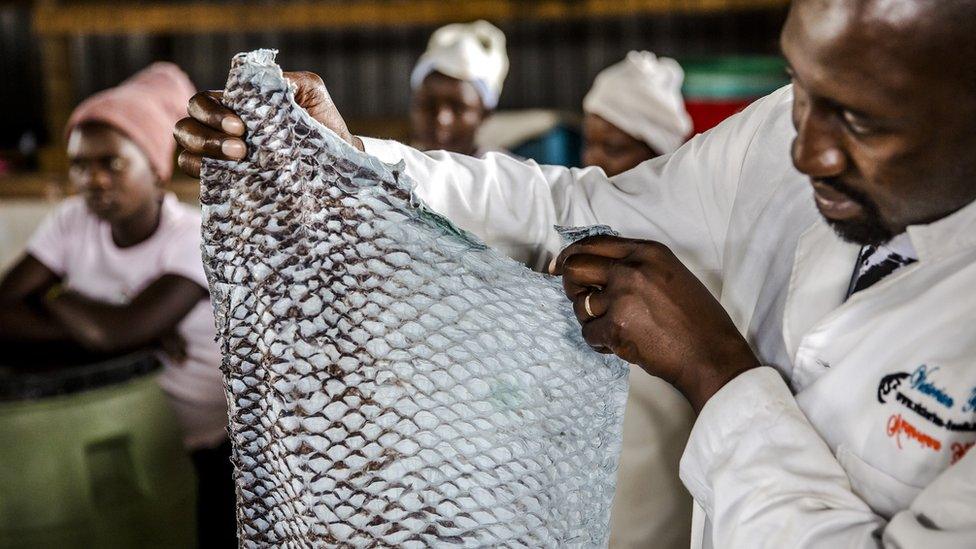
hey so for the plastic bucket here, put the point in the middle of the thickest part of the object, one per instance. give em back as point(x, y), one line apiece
point(99, 465)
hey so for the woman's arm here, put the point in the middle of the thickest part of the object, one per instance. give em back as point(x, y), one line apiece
point(150, 316)
point(22, 317)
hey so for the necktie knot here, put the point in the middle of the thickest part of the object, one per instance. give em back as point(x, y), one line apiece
point(876, 262)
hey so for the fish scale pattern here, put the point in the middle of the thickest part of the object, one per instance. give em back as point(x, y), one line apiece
point(391, 380)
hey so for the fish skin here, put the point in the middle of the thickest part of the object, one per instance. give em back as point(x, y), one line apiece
point(391, 380)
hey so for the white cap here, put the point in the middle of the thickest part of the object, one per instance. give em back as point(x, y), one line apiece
point(641, 95)
point(473, 52)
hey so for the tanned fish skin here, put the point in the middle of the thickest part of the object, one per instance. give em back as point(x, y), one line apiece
point(391, 380)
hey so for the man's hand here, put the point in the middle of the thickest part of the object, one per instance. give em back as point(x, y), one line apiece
point(214, 131)
point(648, 309)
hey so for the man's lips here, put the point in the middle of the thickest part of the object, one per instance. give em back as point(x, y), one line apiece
point(834, 204)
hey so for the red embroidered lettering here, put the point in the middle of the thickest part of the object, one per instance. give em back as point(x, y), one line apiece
point(959, 450)
point(898, 426)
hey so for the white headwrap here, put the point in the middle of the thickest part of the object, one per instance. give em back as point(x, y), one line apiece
point(641, 95)
point(473, 52)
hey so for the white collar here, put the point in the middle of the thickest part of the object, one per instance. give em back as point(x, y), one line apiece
point(901, 245)
point(951, 234)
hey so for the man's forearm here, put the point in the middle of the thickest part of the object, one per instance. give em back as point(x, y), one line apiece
point(507, 203)
point(749, 451)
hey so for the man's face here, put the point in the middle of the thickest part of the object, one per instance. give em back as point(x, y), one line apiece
point(610, 148)
point(111, 172)
point(445, 114)
point(886, 137)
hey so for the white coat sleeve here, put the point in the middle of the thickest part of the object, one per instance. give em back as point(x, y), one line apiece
point(765, 478)
point(683, 200)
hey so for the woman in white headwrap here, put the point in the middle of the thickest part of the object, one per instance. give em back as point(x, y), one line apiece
point(634, 112)
point(456, 84)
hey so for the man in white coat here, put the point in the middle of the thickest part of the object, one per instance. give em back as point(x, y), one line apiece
point(817, 313)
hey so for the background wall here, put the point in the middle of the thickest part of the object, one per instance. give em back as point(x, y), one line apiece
point(553, 62)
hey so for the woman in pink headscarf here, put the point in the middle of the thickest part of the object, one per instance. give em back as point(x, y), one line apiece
point(117, 267)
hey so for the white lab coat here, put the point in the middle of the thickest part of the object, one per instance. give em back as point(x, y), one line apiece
point(856, 434)
point(651, 507)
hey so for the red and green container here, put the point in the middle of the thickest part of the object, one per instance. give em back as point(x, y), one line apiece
point(715, 88)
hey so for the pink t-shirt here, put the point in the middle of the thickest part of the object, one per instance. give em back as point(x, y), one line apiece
point(78, 246)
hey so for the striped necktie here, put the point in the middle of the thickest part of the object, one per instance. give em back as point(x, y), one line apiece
point(877, 262)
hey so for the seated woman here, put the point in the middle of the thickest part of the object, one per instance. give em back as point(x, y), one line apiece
point(634, 112)
point(456, 85)
point(118, 268)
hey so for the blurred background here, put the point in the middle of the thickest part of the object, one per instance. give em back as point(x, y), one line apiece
point(55, 53)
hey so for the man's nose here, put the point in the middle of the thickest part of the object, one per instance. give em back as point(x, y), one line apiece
point(817, 151)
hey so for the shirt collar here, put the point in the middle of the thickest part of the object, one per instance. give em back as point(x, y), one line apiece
point(951, 234)
point(901, 245)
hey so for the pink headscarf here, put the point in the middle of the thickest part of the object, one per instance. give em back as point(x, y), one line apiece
point(145, 108)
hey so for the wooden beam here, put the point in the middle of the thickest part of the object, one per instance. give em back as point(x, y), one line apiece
point(58, 100)
point(32, 186)
point(165, 18)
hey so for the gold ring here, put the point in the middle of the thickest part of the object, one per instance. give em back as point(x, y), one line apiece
point(586, 304)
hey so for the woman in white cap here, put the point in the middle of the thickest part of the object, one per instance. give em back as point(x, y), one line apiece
point(456, 84)
point(634, 112)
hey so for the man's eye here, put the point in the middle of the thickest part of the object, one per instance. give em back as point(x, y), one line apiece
point(856, 124)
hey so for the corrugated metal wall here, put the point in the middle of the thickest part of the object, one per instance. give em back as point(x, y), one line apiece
point(552, 64)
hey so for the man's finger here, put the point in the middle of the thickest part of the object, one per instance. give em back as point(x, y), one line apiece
point(190, 164)
point(587, 270)
point(202, 140)
point(582, 273)
point(306, 82)
point(595, 333)
point(611, 247)
point(207, 109)
point(590, 305)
